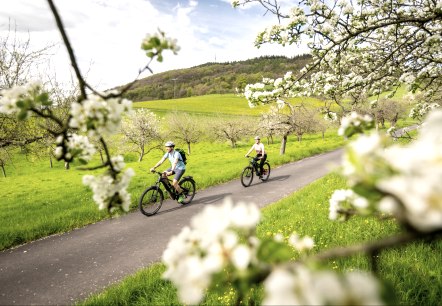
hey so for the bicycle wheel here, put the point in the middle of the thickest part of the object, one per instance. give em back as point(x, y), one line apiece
point(188, 187)
point(265, 171)
point(151, 201)
point(247, 176)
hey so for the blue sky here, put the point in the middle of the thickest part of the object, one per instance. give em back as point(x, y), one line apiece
point(106, 34)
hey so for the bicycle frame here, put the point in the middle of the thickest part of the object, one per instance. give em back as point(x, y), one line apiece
point(166, 182)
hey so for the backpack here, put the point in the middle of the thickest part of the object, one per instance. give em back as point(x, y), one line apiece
point(183, 155)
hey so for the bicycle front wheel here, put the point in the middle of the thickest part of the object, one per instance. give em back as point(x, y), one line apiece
point(265, 171)
point(247, 176)
point(188, 187)
point(151, 201)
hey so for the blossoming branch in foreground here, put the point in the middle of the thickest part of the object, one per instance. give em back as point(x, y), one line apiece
point(222, 238)
point(110, 193)
point(98, 117)
point(404, 181)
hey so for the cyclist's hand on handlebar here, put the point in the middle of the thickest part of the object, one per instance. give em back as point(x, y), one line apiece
point(246, 155)
point(152, 170)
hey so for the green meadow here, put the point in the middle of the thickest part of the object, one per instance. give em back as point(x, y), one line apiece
point(412, 273)
point(38, 201)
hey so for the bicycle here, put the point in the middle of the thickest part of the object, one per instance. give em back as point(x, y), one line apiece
point(247, 173)
point(153, 197)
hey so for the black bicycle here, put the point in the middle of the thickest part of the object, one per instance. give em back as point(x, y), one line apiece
point(247, 173)
point(153, 197)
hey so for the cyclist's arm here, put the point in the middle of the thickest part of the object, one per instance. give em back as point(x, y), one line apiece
point(251, 149)
point(159, 163)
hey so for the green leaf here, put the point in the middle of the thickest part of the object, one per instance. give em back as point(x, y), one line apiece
point(272, 251)
point(22, 115)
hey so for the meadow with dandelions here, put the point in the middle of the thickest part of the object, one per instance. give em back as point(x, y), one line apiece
point(412, 273)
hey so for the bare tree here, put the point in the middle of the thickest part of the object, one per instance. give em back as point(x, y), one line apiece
point(141, 129)
point(288, 120)
point(232, 129)
point(185, 127)
point(17, 59)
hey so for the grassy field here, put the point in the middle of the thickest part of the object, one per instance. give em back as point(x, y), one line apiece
point(38, 201)
point(413, 272)
point(215, 105)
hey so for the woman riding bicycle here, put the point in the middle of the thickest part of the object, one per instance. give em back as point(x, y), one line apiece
point(177, 167)
point(261, 154)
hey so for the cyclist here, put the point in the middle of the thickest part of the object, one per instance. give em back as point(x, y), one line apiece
point(261, 154)
point(177, 167)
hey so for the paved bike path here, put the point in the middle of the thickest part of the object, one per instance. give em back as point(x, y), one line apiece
point(66, 268)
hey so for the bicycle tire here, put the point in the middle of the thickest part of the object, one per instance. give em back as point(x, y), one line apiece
point(151, 201)
point(247, 176)
point(266, 171)
point(188, 187)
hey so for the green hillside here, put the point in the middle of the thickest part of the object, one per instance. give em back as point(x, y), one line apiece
point(213, 78)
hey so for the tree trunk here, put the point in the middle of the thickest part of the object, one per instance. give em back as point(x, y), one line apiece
point(188, 148)
point(3, 170)
point(283, 144)
point(67, 165)
point(141, 154)
point(50, 161)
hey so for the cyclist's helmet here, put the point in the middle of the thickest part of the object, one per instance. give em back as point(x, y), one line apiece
point(257, 137)
point(169, 144)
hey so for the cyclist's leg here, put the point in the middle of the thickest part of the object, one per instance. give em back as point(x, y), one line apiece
point(256, 159)
point(176, 179)
point(261, 164)
point(255, 162)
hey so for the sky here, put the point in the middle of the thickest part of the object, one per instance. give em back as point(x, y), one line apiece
point(106, 35)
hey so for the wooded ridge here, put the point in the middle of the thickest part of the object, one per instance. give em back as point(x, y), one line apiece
point(213, 78)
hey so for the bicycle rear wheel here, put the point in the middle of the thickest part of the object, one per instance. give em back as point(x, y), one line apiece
point(247, 176)
point(188, 187)
point(265, 171)
point(151, 201)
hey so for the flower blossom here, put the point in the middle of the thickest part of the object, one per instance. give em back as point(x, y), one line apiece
point(110, 193)
point(297, 285)
point(211, 243)
point(97, 116)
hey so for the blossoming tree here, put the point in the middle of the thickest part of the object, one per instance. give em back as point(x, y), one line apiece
point(360, 49)
point(93, 114)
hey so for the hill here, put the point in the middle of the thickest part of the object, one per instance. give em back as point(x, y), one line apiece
point(213, 78)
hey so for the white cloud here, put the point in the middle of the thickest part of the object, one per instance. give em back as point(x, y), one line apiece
point(106, 35)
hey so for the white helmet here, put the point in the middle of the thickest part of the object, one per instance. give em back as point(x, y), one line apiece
point(257, 137)
point(169, 144)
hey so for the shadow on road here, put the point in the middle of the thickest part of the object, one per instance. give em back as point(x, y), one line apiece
point(210, 199)
point(204, 200)
point(279, 178)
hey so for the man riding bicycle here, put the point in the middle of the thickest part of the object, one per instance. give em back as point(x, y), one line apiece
point(258, 146)
point(177, 167)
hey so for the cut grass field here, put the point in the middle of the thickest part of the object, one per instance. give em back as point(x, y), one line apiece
point(215, 105)
point(38, 201)
point(413, 273)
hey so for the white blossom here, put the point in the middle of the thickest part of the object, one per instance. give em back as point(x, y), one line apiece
point(97, 116)
point(109, 191)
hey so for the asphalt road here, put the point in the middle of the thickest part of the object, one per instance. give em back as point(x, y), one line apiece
point(63, 269)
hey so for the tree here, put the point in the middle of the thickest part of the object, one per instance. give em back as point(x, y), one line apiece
point(360, 49)
point(17, 65)
point(287, 119)
point(93, 114)
point(184, 127)
point(141, 129)
point(232, 129)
